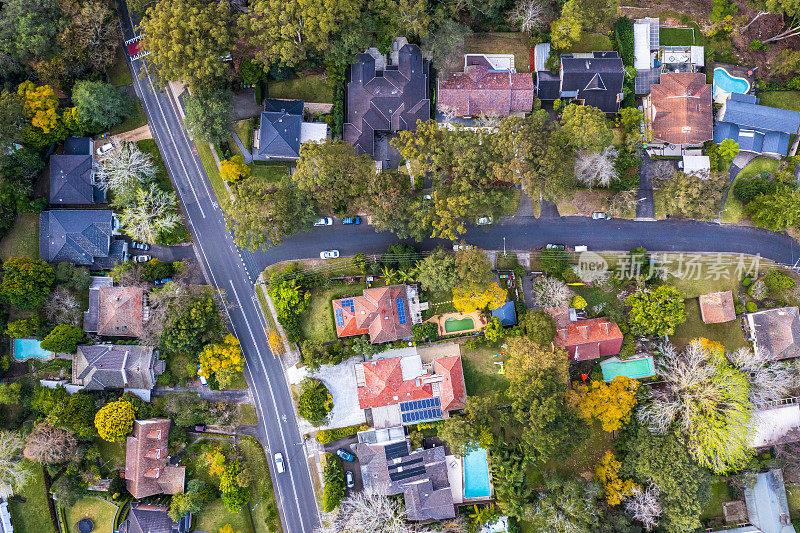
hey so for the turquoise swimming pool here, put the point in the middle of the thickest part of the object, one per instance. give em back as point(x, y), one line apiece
point(27, 348)
point(724, 82)
point(642, 367)
point(476, 474)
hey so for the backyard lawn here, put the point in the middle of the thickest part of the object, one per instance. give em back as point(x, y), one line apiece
point(23, 239)
point(271, 172)
point(591, 42)
point(719, 495)
point(676, 36)
point(480, 373)
point(214, 517)
point(502, 43)
point(733, 211)
point(728, 333)
point(317, 322)
point(99, 511)
point(307, 87)
point(32, 516)
point(781, 99)
point(136, 119)
point(112, 453)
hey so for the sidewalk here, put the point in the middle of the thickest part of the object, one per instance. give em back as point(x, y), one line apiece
point(233, 396)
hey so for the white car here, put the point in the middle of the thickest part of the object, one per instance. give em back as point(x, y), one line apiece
point(141, 258)
point(599, 215)
point(457, 247)
point(329, 254)
point(483, 221)
point(279, 464)
point(324, 221)
point(103, 150)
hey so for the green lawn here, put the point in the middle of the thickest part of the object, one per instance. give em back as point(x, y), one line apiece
point(480, 373)
point(111, 453)
point(583, 459)
point(733, 211)
point(118, 73)
point(719, 495)
point(247, 415)
point(214, 517)
point(728, 333)
point(23, 239)
point(32, 516)
point(510, 203)
point(591, 42)
point(317, 322)
point(793, 499)
point(262, 495)
point(607, 301)
point(502, 43)
point(244, 131)
point(136, 119)
point(162, 177)
point(272, 173)
point(781, 99)
point(309, 87)
point(99, 511)
point(207, 158)
point(177, 365)
point(676, 36)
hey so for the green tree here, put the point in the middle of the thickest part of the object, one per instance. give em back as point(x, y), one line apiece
point(473, 267)
point(777, 281)
point(10, 393)
point(209, 112)
point(631, 118)
point(100, 104)
point(554, 261)
point(69, 488)
point(12, 120)
point(694, 196)
point(28, 28)
point(567, 505)
point(191, 325)
point(90, 35)
point(776, 211)
point(747, 190)
point(405, 17)
point(447, 45)
point(26, 282)
point(525, 356)
point(656, 311)
point(290, 301)
point(63, 339)
point(392, 207)
point(332, 174)
point(24, 327)
point(519, 144)
point(114, 421)
point(188, 41)
point(728, 149)
point(333, 476)
point(314, 402)
point(586, 127)
point(494, 330)
point(566, 30)
point(538, 326)
point(437, 272)
point(192, 501)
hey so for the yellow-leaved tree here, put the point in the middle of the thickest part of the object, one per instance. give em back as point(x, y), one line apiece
point(276, 343)
point(468, 298)
point(608, 474)
point(224, 360)
point(609, 403)
point(233, 169)
point(114, 421)
point(41, 105)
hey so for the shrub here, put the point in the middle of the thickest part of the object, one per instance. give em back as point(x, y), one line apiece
point(751, 307)
point(553, 261)
point(329, 435)
point(623, 34)
point(333, 476)
point(578, 302)
point(778, 281)
point(747, 190)
point(738, 307)
point(758, 290)
point(315, 401)
point(746, 281)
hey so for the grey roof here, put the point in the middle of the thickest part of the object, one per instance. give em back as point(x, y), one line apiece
point(277, 105)
point(548, 85)
point(5, 519)
point(387, 99)
point(71, 181)
point(767, 507)
point(107, 366)
point(596, 80)
point(78, 146)
point(756, 128)
point(776, 331)
point(279, 131)
point(81, 237)
point(145, 518)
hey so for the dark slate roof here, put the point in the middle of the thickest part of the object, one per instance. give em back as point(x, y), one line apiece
point(71, 181)
point(752, 139)
point(146, 518)
point(744, 110)
point(80, 237)
point(78, 146)
point(548, 85)
point(279, 105)
point(279, 135)
point(111, 366)
point(597, 81)
point(386, 100)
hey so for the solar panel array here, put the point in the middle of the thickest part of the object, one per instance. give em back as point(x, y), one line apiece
point(396, 450)
point(349, 303)
point(339, 317)
point(421, 410)
point(405, 474)
point(401, 311)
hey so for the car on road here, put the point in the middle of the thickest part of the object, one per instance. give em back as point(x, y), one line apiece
point(136, 245)
point(484, 221)
point(555, 247)
point(457, 247)
point(144, 258)
point(599, 215)
point(344, 454)
point(106, 148)
point(324, 221)
point(351, 220)
point(279, 464)
point(350, 482)
point(329, 254)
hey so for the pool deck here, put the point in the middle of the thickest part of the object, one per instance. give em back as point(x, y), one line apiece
point(736, 71)
point(476, 316)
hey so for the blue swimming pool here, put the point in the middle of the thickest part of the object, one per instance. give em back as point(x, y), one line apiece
point(476, 474)
point(27, 348)
point(724, 82)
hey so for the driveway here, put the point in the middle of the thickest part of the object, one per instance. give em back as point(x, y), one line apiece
point(348, 444)
point(645, 201)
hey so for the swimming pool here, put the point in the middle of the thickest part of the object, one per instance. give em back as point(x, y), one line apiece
point(452, 325)
point(642, 367)
point(476, 474)
point(725, 84)
point(28, 348)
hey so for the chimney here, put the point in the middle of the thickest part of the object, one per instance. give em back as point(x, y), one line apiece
point(562, 334)
point(605, 327)
point(584, 331)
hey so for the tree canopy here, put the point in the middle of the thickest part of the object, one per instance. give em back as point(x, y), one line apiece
point(114, 421)
point(656, 311)
point(26, 282)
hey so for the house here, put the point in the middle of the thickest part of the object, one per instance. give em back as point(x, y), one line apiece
point(150, 518)
point(384, 96)
point(548, 85)
point(717, 307)
point(767, 507)
point(679, 110)
point(402, 390)
point(117, 366)
point(652, 59)
point(590, 339)
point(593, 79)
point(87, 237)
point(72, 175)
point(5, 519)
point(389, 465)
point(489, 85)
point(282, 131)
point(115, 311)
point(756, 128)
point(146, 470)
point(385, 313)
point(775, 332)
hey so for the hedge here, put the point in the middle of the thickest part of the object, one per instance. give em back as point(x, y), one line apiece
point(751, 307)
point(623, 34)
point(122, 512)
point(333, 476)
point(329, 435)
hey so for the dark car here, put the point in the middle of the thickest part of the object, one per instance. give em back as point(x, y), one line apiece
point(350, 482)
point(351, 220)
point(344, 454)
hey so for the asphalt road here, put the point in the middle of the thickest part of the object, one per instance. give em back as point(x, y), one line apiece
point(220, 259)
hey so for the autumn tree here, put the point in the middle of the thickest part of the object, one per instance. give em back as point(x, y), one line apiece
point(63, 339)
point(209, 112)
point(586, 127)
point(189, 39)
point(525, 356)
point(26, 282)
point(616, 489)
point(48, 123)
point(224, 361)
point(656, 311)
point(437, 272)
point(50, 445)
point(114, 421)
point(609, 403)
point(100, 104)
point(233, 169)
point(91, 35)
point(468, 298)
point(124, 170)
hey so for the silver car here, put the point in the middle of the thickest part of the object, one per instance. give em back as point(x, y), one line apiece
point(329, 254)
point(324, 221)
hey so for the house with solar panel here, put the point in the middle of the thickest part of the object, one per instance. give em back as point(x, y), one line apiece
point(403, 390)
point(386, 314)
point(282, 131)
point(756, 128)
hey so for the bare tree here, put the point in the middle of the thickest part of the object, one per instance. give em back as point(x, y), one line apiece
point(768, 381)
point(124, 170)
point(488, 120)
point(50, 445)
point(551, 292)
point(371, 511)
point(449, 113)
point(660, 171)
point(63, 307)
point(13, 474)
point(153, 212)
point(792, 29)
point(528, 15)
point(597, 169)
point(644, 506)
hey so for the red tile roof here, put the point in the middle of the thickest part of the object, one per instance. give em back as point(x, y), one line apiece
point(590, 339)
point(120, 313)
point(478, 91)
point(717, 307)
point(453, 393)
point(375, 313)
point(146, 454)
point(680, 108)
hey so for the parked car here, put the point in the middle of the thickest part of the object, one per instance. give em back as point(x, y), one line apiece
point(144, 258)
point(162, 281)
point(329, 254)
point(555, 247)
point(103, 150)
point(483, 221)
point(344, 454)
point(351, 220)
point(457, 247)
point(136, 245)
point(599, 215)
point(324, 221)
point(200, 376)
point(279, 465)
point(350, 482)
point(427, 197)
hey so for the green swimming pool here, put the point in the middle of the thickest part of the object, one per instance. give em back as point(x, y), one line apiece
point(451, 325)
point(642, 367)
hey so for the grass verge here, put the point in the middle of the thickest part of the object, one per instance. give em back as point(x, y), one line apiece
point(247, 415)
point(118, 73)
point(263, 505)
point(309, 87)
point(204, 151)
point(262, 299)
point(23, 239)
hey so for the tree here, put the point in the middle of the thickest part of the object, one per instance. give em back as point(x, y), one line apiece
point(13, 472)
point(50, 445)
point(776, 211)
point(69, 488)
point(290, 301)
point(769, 381)
point(192, 501)
point(91, 35)
point(525, 356)
point(578, 302)
point(26, 282)
point(100, 104)
point(609, 403)
point(528, 15)
point(728, 149)
point(694, 196)
point(224, 361)
point(777, 281)
point(566, 506)
point(41, 105)
point(24, 327)
point(392, 207)
point(233, 169)
point(333, 476)
point(586, 126)
point(63, 339)
point(554, 261)
point(656, 311)
point(153, 213)
point(469, 298)
point(332, 174)
point(29, 28)
point(460, 434)
point(615, 488)
point(494, 331)
point(597, 169)
point(645, 506)
point(538, 326)
point(473, 267)
point(209, 111)
point(114, 421)
point(519, 144)
point(566, 30)
point(73, 412)
point(405, 17)
point(315, 402)
point(12, 120)
point(447, 45)
point(191, 324)
point(747, 190)
point(124, 170)
point(551, 293)
point(631, 118)
point(437, 272)
point(188, 40)
point(10, 393)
